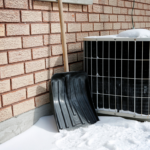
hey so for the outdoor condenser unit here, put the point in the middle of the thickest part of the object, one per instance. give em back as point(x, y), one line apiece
point(119, 75)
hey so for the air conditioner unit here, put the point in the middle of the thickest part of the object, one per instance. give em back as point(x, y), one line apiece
point(119, 75)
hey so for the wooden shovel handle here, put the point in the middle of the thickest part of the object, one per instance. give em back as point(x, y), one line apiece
point(63, 37)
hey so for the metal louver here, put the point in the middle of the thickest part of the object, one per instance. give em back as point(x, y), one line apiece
point(119, 75)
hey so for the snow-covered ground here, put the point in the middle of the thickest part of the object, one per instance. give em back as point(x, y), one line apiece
point(110, 133)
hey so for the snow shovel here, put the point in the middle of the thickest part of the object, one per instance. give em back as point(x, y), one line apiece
point(72, 102)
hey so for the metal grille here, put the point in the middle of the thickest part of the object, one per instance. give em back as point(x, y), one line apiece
point(119, 76)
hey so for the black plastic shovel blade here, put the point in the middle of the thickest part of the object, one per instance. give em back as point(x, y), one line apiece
point(73, 105)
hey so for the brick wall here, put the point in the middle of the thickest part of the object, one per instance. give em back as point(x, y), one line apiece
point(30, 44)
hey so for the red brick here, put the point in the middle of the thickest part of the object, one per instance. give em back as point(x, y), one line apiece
point(41, 100)
point(4, 86)
point(70, 37)
point(141, 18)
point(2, 30)
point(121, 3)
point(93, 17)
point(43, 75)
point(9, 16)
point(125, 26)
point(35, 65)
point(113, 18)
point(113, 32)
point(21, 55)
point(146, 19)
point(32, 41)
point(42, 5)
point(128, 4)
point(135, 18)
point(69, 17)
point(81, 17)
point(22, 81)
point(80, 56)
point(3, 58)
point(130, 25)
point(145, 6)
point(85, 8)
point(94, 33)
point(147, 24)
point(104, 33)
point(31, 16)
point(128, 18)
point(107, 26)
point(96, 1)
point(98, 9)
point(103, 2)
point(113, 2)
point(0, 102)
point(82, 45)
point(138, 12)
point(55, 28)
point(17, 29)
point(116, 25)
point(19, 4)
point(52, 39)
point(98, 26)
point(11, 70)
point(10, 43)
point(124, 11)
point(48, 84)
point(140, 6)
point(74, 27)
point(121, 18)
point(107, 10)
point(119, 31)
point(143, 12)
point(87, 26)
point(138, 25)
point(90, 8)
point(73, 7)
point(14, 96)
point(80, 36)
point(104, 18)
point(54, 61)
point(57, 49)
point(130, 11)
point(54, 16)
point(142, 25)
point(116, 10)
point(30, 4)
point(72, 57)
point(23, 107)
point(74, 47)
point(76, 66)
point(142, 1)
point(58, 70)
point(50, 16)
point(5, 113)
point(1, 3)
point(40, 28)
point(41, 52)
point(135, 5)
point(55, 7)
point(36, 89)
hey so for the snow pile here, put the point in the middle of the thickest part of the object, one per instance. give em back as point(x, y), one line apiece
point(111, 133)
point(135, 33)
